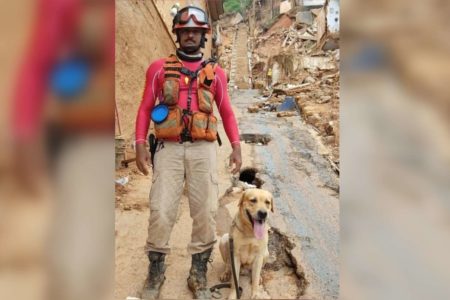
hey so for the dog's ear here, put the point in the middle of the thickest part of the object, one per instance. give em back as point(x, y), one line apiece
point(241, 201)
point(272, 208)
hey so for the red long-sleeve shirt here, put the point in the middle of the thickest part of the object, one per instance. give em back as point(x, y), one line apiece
point(55, 32)
point(153, 91)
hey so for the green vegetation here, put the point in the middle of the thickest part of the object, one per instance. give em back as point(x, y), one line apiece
point(236, 5)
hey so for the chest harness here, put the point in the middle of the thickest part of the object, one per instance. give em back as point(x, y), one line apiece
point(184, 124)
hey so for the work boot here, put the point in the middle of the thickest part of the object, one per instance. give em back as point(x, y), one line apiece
point(197, 275)
point(155, 277)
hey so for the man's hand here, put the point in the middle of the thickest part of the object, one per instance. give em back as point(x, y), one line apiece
point(142, 158)
point(235, 158)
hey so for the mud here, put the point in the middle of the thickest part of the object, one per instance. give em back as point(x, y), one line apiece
point(305, 190)
point(131, 263)
point(281, 258)
point(254, 138)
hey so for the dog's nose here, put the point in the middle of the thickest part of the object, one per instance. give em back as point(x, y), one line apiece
point(262, 214)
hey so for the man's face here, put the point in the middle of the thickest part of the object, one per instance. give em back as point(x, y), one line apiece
point(190, 39)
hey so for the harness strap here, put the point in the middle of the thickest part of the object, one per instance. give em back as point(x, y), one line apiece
point(233, 268)
point(173, 68)
point(186, 112)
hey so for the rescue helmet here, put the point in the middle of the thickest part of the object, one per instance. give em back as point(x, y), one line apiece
point(191, 17)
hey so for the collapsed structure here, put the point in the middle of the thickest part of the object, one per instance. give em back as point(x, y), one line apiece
point(293, 51)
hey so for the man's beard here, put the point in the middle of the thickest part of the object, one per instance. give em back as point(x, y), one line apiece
point(190, 49)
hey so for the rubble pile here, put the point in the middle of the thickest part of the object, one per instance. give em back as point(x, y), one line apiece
point(301, 59)
point(224, 31)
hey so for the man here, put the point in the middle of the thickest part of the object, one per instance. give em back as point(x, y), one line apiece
point(187, 86)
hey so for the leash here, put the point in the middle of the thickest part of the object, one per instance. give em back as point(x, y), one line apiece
point(233, 267)
point(215, 293)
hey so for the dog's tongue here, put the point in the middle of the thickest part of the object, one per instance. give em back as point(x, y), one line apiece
point(258, 230)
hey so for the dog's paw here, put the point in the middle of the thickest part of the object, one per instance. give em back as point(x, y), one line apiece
point(257, 295)
point(225, 276)
point(232, 295)
point(260, 294)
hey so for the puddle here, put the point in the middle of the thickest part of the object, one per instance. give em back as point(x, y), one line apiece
point(253, 138)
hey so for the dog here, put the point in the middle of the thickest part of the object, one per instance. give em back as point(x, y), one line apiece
point(250, 233)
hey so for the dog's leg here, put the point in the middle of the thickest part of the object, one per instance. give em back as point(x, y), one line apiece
point(224, 247)
point(256, 275)
point(237, 265)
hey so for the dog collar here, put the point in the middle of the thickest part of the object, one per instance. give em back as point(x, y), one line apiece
point(234, 224)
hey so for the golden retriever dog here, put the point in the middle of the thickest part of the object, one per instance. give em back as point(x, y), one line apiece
point(250, 233)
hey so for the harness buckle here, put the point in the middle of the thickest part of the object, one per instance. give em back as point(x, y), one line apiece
point(186, 112)
point(185, 136)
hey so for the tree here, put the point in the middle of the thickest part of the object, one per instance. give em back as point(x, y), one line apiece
point(236, 5)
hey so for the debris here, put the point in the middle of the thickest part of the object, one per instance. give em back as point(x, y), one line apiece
point(285, 6)
point(284, 21)
point(304, 17)
point(287, 105)
point(256, 138)
point(286, 114)
point(330, 44)
point(301, 50)
point(324, 99)
point(333, 16)
point(230, 19)
point(120, 146)
point(253, 109)
point(266, 93)
point(309, 79)
point(321, 25)
point(122, 181)
point(329, 129)
point(317, 62)
point(125, 162)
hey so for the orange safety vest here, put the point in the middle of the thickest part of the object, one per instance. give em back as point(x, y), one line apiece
point(201, 125)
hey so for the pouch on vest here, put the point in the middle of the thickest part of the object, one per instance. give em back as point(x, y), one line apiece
point(171, 88)
point(172, 126)
point(204, 127)
point(205, 95)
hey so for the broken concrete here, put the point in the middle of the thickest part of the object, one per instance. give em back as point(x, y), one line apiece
point(304, 17)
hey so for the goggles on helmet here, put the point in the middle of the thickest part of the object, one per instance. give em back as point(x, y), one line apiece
point(191, 17)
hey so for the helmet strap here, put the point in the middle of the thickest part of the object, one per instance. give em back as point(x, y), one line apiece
point(203, 40)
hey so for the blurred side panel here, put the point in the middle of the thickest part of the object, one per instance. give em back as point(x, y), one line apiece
point(57, 153)
point(395, 153)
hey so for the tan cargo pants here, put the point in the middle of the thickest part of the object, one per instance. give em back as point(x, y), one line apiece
point(192, 164)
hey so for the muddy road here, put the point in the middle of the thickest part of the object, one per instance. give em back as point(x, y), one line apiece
point(305, 190)
point(304, 237)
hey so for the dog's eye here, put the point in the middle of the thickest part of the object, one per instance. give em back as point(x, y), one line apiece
point(268, 202)
point(253, 200)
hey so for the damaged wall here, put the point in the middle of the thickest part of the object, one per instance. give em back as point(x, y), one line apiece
point(135, 49)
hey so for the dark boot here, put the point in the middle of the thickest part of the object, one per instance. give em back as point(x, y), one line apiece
point(197, 275)
point(155, 277)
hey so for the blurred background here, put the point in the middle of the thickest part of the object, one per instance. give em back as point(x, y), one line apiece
point(57, 153)
point(395, 150)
